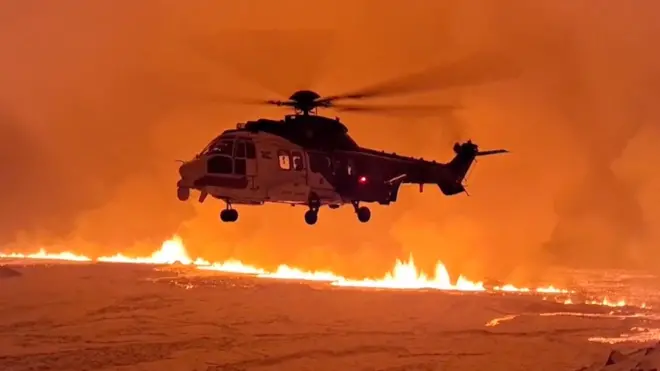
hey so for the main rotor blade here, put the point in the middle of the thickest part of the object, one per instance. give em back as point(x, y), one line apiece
point(474, 70)
point(414, 110)
point(278, 61)
point(210, 97)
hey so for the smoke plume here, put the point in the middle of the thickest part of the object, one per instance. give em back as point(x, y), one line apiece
point(98, 99)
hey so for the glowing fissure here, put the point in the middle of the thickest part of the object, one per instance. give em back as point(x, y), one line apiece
point(43, 255)
point(635, 335)
point(404, 275)
point(606, 302)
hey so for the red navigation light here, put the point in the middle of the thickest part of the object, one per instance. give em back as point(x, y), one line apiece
point(362, 179)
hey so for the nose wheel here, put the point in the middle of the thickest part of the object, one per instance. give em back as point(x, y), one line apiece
point(229, 215)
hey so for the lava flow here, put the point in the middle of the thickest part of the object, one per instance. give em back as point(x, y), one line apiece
point(404, 275)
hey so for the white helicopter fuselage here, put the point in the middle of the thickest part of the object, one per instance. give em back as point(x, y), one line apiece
point(250, 168)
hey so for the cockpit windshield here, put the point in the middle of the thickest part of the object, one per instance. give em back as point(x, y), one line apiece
point(224, 147)
point(220, 145)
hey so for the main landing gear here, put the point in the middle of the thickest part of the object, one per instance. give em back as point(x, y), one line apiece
point(312, 215)
point(229, 215)
point(363, 212)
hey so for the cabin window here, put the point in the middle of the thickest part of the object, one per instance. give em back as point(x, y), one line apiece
point(240, 149)
point(284, 159)
point(297, 160)
point(240, 166)
point(250, 151)
point(337, 166)
point(219, 165)
point(350, 167)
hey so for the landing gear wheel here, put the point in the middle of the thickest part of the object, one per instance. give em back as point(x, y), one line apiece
point(183, 193)
point(229, 215)
point(311, 217)
point(363, 214)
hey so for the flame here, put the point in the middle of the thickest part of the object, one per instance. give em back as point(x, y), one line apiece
point(43, 255)
point(172, 251)
point(286, 272)
point(232, 266)
point(404, 275)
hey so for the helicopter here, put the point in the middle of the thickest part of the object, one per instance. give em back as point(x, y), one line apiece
point(310, 160)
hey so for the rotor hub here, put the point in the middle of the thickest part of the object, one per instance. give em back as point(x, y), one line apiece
point(304, 96)
point(467, 148)
point(305, 100)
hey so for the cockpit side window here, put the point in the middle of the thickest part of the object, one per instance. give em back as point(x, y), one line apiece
point(250, 151)
point(240, 166)
point(240, 149)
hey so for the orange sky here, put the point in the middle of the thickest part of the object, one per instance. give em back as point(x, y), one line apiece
point(97, 100)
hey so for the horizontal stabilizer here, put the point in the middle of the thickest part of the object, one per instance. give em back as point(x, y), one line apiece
point(491, 152)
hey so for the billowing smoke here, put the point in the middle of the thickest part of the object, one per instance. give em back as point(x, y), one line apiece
point(98, 100)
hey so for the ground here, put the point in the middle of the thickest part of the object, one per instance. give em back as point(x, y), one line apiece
point(70, 317)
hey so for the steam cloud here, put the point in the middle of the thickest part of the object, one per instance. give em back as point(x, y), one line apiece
point(98, 100)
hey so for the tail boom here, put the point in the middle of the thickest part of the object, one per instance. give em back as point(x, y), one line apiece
point(449, 177)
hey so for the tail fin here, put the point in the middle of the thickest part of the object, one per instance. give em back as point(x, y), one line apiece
point(466, 153)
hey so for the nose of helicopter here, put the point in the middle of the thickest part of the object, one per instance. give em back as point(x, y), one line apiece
point(182, 169)
point(186, 169)
point(186, 174)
